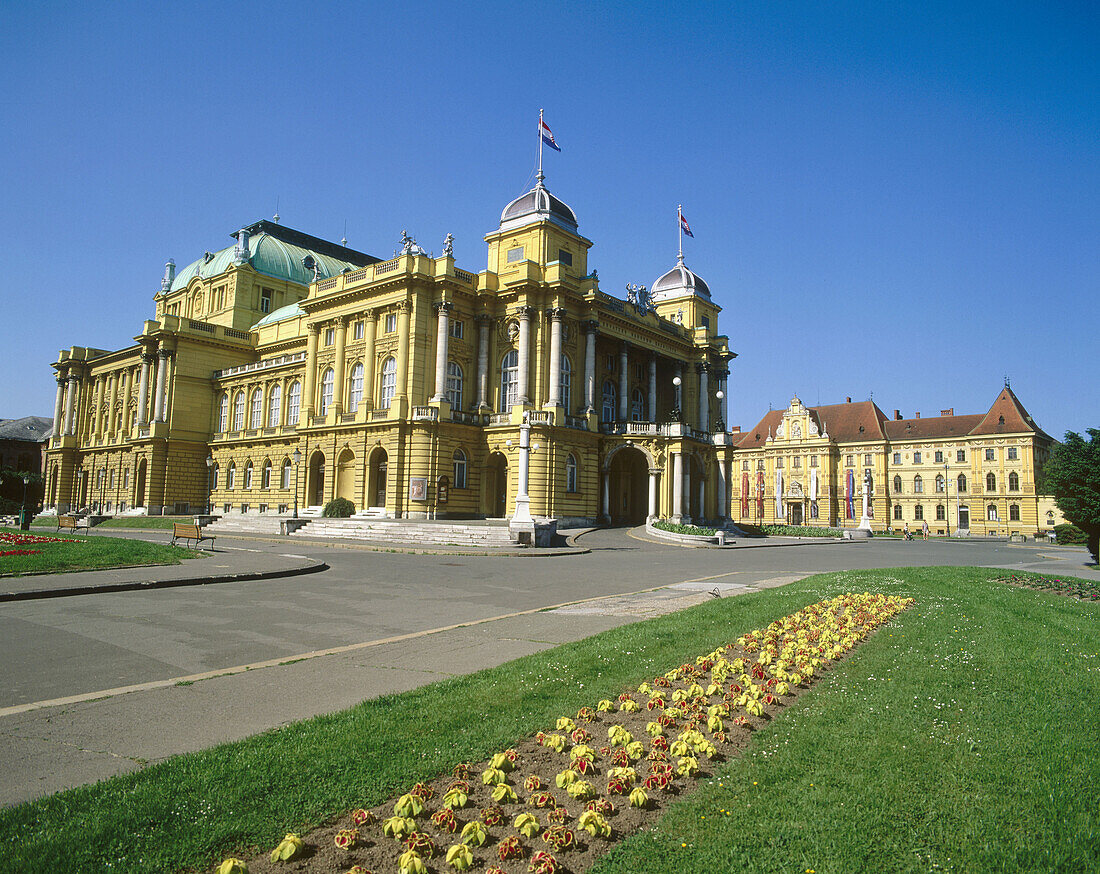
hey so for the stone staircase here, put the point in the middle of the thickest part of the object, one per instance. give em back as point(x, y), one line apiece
point(239, 523)
point(406, 532)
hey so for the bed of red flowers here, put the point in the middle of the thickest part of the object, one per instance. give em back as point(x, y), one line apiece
point(17, 539)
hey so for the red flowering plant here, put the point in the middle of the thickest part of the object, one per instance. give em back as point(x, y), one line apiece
point(16, 539)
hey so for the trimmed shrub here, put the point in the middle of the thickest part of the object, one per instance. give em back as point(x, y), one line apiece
point(683, 529)
point(800, 531)
point(338, 508)
point(1067, 533)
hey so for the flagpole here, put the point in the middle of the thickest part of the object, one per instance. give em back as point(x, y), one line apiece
point(540, 146)
point(680, 227)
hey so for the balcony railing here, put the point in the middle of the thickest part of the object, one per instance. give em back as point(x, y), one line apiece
point(425, 414)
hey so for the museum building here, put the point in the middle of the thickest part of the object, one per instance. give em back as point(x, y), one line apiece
point(284, 371)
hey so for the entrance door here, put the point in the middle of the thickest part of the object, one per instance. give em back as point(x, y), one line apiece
point(376, 478)
point(628, 480)
point(139, 488)
point(496, 486)
point(316, 489)
point(795, 512)
point(380, 484)
point(345, 476)
point(964, 517)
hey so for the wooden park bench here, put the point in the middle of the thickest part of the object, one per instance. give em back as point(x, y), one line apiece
point(70, 523)
point(190, 531)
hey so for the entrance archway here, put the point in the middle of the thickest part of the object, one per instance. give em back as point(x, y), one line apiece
point(139, 485)
point(376, 477)
point(345, 475)
point(315, 481)
point(495, 497)
point(628, 493)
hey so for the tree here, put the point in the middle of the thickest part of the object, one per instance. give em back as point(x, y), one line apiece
point(1072, 475)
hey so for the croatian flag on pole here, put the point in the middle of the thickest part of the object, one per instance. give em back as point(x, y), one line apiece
point(548, 136)
point(684, 226)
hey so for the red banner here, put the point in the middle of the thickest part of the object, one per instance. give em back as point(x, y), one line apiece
point(744, 495)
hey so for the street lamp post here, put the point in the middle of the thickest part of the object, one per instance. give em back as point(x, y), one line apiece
point(721, 423)
point(676, 414)
point(947, 494)
point(297, 459)
point(209, 485)
point(24, 521)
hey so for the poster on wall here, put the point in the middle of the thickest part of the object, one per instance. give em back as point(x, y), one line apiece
point(418, 488)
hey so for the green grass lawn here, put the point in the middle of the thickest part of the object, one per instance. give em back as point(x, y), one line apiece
point(961, 736)
point(154, 522)
point(85, 552)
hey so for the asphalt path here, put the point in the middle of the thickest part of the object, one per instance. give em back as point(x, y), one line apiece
point(69, 646)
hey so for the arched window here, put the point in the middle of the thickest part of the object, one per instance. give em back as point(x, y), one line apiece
point(897, 485)
point(328, 381)
point(566, 383)
point(355, 393)
point(509, 380)
point(223, 415)
point(918, 512)
point(571, 472)
point(265, 475)
point(991, 482)
point(238, 411)
point(918, 485)
point(962, 483)
point(248, 475)
point(637, 406)
point(274, 406)
point(1013, 512)
point(389, 382)
point(897, 511)
point(941, 512)
point(288, 466)
point(231, 476)
point(991, 513)
point(214, 477)
point(256, 409)
point(609, 405)
point(1014, 482)
point(940, 483)
point(293, 403)
point(459, 478)
point(454, 385)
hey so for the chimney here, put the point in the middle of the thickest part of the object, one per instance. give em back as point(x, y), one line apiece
point(950, 411)
point(847, 400)
point(897, 415)
point(917, 415)
point(169, 276)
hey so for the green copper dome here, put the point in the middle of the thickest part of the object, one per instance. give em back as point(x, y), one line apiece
point(290, 311)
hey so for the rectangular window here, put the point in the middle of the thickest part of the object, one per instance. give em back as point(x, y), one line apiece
point(457, 329)
point(639, 372)
point(265, 300)
point(813, 461)
point(611, 363)
point(565, 258)
point(989, 455)
point(745, 464)
point(960, 455)
point(868, 458)
point(1012, 453)
point(391, 323)
point(939, 457)
point(706, 322)
point(330, 336)
point(916, 458)
point(796, 463)
point(357, 331)
point(850, 460)
point(515, 254)
point(779, 464)
point(897, 458)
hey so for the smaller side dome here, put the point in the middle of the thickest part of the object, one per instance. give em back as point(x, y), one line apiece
point(679, 282)
point(290, 311)
point(538, 204)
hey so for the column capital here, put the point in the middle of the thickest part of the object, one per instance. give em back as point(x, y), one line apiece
point(312, 328)
point(443, 306)
point(164, 354)
point(73, 377)
point(369, 314)
point(524, 311)
point(61, 380)
point(556, 314)
point(702, 368)
point(483, 319)
point(341, 321)
point(591, 326)
point(404, 306)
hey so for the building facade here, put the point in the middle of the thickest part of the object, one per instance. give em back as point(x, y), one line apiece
point(285, 371)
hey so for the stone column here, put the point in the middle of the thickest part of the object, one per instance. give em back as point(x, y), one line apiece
point(484, 325)
point(591, 328)
point(341, 342)
point(305, 411)
point(677, 487)
point(624, 383)
point(124, 394)
point(524, 343)
point(556, 315)
point(652, 411)
point(369, 365)
point(168, 383)
point(402, 389)
point(723, 492)
point(162, 375)
point(70, 403)
point(99, 401)
point(724, 406)
point(606, 489)
point(59, 406)
point(704, 399)
point(147, 358)
point(443, 333)
point(112, 403)
point(654, 508)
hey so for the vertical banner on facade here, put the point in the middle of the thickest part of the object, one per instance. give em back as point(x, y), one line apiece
point(760, 494)
point(849, 495)
point(744, 495)
point(779, 514)
point(813, 493)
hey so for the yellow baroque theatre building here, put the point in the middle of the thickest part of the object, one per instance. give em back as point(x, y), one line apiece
point(285, 371)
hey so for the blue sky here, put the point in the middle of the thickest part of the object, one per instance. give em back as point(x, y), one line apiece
point(892, 199)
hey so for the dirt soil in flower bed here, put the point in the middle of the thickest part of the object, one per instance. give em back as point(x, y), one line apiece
point(1070, 587)
point(378, 854)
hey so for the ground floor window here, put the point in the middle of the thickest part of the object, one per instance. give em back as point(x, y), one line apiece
point(941, 513)
point(918, 512)
point(459, 481)
point(1013, 512)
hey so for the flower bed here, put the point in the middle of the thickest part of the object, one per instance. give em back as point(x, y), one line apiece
point(557, 801)
point(28, 539)
point(1073, 587)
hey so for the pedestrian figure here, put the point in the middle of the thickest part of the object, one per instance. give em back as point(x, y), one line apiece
point(925, 529)
point(906, 533)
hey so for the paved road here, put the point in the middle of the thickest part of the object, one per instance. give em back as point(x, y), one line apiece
point(370, 610)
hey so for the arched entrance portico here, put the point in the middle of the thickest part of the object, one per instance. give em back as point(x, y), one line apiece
point(376, 477)
point(345, 475)
point(494, 497)
point(628, 486)
point(315, 480)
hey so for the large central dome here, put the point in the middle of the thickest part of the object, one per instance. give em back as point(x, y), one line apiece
point(679, 282)
point(538, 204)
